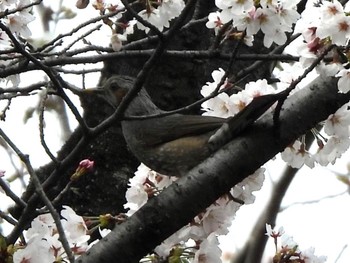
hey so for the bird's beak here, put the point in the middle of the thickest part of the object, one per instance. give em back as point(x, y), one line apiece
point(96, 91)
point(102, 93)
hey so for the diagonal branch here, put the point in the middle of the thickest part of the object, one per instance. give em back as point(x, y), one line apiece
point(39, 189)
point(179, 203)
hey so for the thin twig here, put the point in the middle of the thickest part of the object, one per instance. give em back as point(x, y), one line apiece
point(59, 197)
point(89, 32)
point(24, 90)
point(41, 128)
point(78, 72)
point(19, 9)
point(341, 253)
point(7, 106)
point(221, 32)
point(309, 202)
point(9, 52)
point(233, 58)
point(11, 194)
point(257, 64)
point(8, 218)
point(76, 29)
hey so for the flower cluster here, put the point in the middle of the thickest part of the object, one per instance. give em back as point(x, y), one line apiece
point(296, 155)
point(336, 128)
point(161, 14)
point(157, 13)
point(224, 105)
point(288, 251)
point(329, 20)
point(329, 24)
point(18, 21)
point(43, 244)
point(273, 18)
point(205, 227)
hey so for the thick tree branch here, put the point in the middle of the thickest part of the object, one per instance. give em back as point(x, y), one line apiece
point(184, 199)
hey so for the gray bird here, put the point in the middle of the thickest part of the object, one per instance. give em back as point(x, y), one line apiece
point(174, 144)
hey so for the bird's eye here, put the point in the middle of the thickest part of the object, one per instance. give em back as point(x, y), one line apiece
point(113, 87)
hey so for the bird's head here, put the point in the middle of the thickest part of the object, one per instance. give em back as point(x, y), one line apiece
point(116, 88)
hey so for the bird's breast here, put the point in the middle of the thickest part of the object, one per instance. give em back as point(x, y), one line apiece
point(173, 158)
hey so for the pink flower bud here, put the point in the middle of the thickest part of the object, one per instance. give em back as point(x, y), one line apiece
point(84, 166)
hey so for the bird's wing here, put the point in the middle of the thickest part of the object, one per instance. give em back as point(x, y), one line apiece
point(164, 129)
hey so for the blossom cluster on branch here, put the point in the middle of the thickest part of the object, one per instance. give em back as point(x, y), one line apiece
point(42, 239)
point(205, 227)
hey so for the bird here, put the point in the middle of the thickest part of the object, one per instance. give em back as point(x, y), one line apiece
point(174, 144)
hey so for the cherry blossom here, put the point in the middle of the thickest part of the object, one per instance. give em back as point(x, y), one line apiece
point(272, 232)
point(36, 251)
point(308, 255)
point(333, 149)
point(296, 155)
point(344, 80)
point(236, 6)
point(5, 4)
point(338, 123)
point(74, 225)
point(336, 27)
point(221, 105)
point(136, 196)
point(209, 87)
point(215, 21)
point(247, 21)
point(209, 251)
point(161, 16)
point(18, 22)
point(288, 249)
